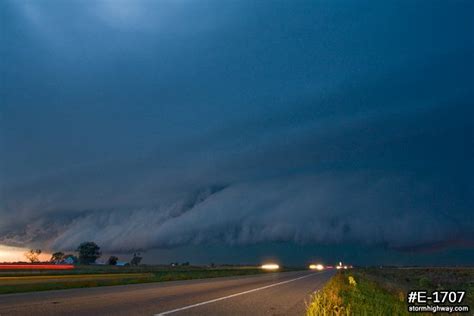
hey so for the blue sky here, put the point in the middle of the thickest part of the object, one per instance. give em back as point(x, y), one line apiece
point(167, 124)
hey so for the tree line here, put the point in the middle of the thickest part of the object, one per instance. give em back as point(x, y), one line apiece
point(87, 253)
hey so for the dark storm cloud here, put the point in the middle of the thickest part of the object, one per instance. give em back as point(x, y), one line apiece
point(143, 124)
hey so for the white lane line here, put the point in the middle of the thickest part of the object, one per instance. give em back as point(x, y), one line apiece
point(233, 295)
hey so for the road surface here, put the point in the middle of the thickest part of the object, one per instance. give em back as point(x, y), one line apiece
point(268, 294)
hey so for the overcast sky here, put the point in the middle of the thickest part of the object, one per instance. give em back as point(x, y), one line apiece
point(291, 129)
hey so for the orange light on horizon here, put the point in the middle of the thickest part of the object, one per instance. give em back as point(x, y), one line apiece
point(17, 254)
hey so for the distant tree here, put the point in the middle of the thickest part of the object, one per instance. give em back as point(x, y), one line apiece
point(33, 255)
point(88, 252)
point(136, 259)
point(57, 257)
point(112, 260)
point(185, 263)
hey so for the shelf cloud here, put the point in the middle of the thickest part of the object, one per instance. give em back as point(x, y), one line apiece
point(143, 125)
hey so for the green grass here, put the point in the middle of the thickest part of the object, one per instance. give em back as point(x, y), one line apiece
point(382, 291)
point(98, 269)
point(349, 294)
point(107, 276)
point(429, 279)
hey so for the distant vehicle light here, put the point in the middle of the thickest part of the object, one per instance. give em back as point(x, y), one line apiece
point(36, 266)
point(270, 266)
point(318, 267)
point(345, 267)
point(338, 267)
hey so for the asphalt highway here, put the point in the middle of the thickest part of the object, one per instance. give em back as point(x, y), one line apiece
point(268, 294)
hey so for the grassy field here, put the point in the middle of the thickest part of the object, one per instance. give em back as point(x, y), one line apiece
point(382, 291)
point(92, 276)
